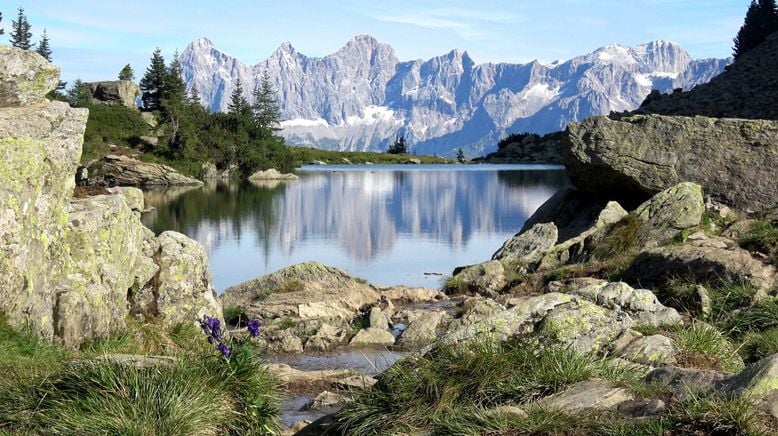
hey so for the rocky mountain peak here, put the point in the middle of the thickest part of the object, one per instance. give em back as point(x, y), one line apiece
point(362, 96)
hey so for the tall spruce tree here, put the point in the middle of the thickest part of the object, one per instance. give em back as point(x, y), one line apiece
point(761, 20)
point(127, 73)
point(79, 94)
point(20, 32)
point(265, 109)
point(173, 107)
point(43, 47)
point(2, 31)
point(153, 82)
point(238, 104)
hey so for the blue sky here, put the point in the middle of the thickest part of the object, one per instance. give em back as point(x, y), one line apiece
point(93, 39)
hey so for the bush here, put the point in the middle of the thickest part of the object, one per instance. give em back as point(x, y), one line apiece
point(111, 125)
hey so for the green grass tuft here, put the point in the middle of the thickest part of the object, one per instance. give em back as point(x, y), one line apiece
point(621, 240)
point(762, 237)
point(702, 346)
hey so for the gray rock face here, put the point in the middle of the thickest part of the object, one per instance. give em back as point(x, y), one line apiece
point(421, 331)
point(361, 96)
point(683, 381)
point(529, 246)
point(372, 337)
point(712, 264)
point(25, 77)
point(114, 93)
point(486, 278)
point(733, 160)
point(115, 170)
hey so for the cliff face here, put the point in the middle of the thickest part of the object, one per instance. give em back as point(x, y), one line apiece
point(69, 268)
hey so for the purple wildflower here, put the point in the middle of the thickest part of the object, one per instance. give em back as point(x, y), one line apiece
point(254, 328)
point(224, 349)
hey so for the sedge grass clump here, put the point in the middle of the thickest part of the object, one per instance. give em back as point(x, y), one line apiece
point(762, 236)
point(418, 392)
point(758, 345)
point(758, 317)
point(701, 345)
point(714, 414)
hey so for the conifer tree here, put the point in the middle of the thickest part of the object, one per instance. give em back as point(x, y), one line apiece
point(265, 109)
point(153, 82)
point(20, 33)
point(238, 106)
point(761, 20)
point(173, 106)
point(79, 94)
point(127, 73)
point(43, 46)
point(2, 31)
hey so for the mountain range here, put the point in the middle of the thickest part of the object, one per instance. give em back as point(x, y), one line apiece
point(361, 97)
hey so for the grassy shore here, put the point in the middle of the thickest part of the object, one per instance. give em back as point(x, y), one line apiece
point(46, 389)
point(305, 155)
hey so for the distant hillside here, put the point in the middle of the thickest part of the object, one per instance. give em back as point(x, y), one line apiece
point(748, 89)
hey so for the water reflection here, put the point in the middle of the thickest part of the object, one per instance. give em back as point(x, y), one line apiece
point(386, 224)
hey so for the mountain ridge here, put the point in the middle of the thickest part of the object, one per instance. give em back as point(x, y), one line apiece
point(362, 96)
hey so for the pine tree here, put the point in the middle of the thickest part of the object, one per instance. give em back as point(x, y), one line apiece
point(20, 33)
point(153, 82)
point(761, 21)
point(79, 95)
point(127, 73)
point(238, 103)
point(398, 146)
point(461, 155)
point(43, 46)
point(173, 107)
point(265, 109)
point(2, 31)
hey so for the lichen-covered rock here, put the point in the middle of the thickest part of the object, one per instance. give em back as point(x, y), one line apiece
point(25, 77)
point(685, 381)
point(102, 258)
point(476, 309)
point(132, 196)
point(733, 160)
point(589, 395)
point(39, 151)
point(757, 381)
point(307, 290)
point(413, 295)
point(650, 350)
point(272, 174)
point(486, 278)
point(114, 93)
point(529, 246)
point(668, 213)
point(113, 170)
point(182, 289)
point(377, 319)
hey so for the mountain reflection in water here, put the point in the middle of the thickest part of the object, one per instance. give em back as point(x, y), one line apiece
point(387, 224)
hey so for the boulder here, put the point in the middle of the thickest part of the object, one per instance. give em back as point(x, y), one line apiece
point(104, 259)
point(326, 400)
point(733, 160)
point(413, 295)
point(132, 196)
point(272, 174)
point(372, 337)
point(759, 382)
point(668, 213)
point(25, 78)
point(650, 350)
point(307, 290)
point(287, 374)
point(570, 210)
point(421, 331)
point(656, 266)
point(113, 170)
point(114, 93)
point(577, 247)
point(683, 381)
point(209, 171)
point(477, 309)
point(529, 246)
point(326, 338)
point(377, 319)
point(590, 395)
point(40, 147)
point(486, 278)
point(182, 290)
point(282, 341)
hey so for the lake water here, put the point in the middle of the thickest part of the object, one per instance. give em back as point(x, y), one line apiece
point(391, 225)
